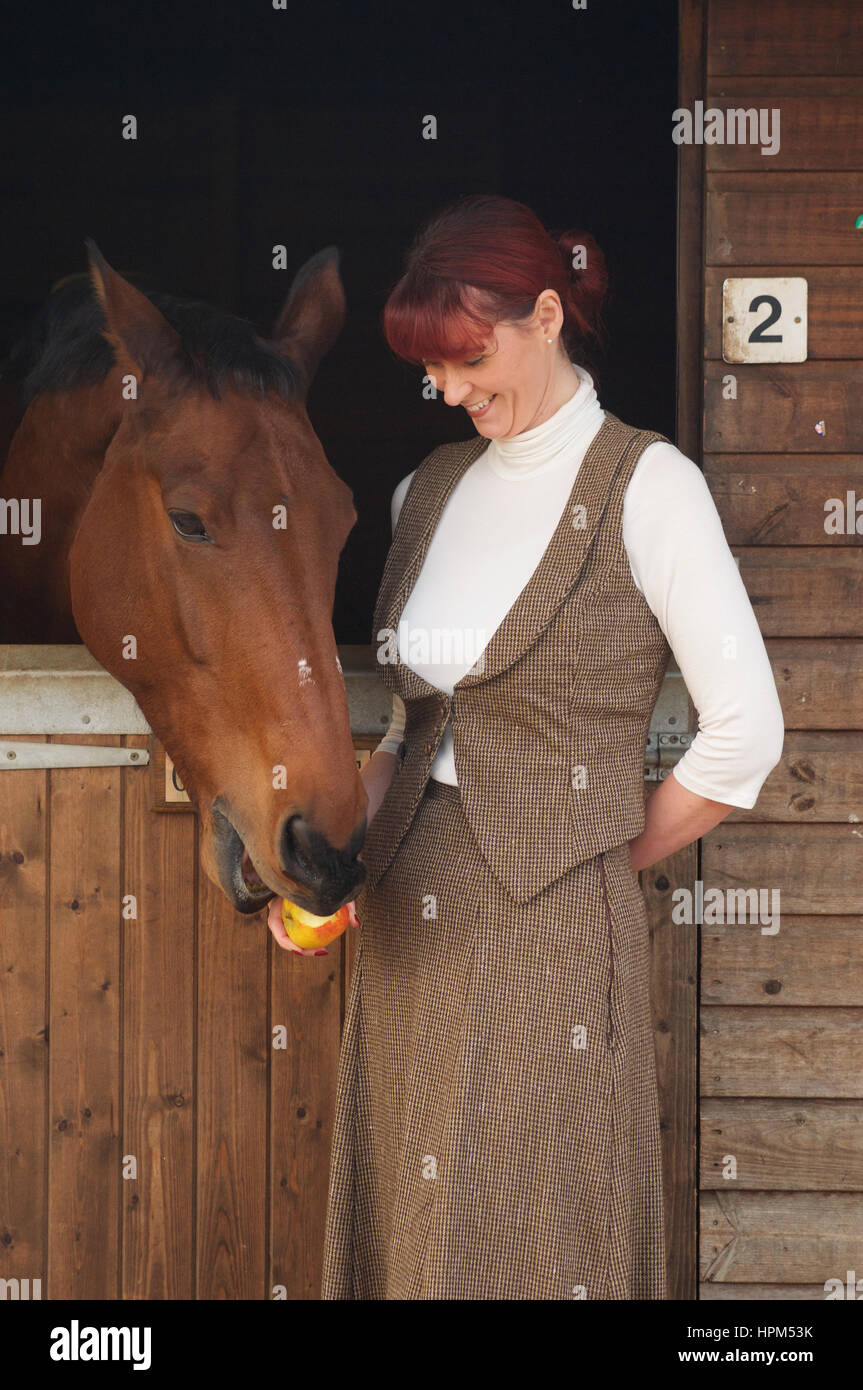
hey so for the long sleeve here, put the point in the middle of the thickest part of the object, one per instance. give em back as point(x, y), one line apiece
point(681, 562)
point(392, 739)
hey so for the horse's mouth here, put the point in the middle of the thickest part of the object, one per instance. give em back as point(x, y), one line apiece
point(251, 877)
point(242, 882)
point(239, 877)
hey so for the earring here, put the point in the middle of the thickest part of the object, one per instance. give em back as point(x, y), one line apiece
point(548, 340)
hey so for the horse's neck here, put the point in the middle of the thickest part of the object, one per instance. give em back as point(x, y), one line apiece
point(53, 460)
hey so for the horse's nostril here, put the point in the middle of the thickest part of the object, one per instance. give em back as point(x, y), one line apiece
point(310, 859)
point(295, 853)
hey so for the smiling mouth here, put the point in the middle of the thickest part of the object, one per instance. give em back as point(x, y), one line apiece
point(480, 405)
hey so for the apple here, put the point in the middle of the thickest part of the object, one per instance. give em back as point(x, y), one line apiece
point(309, 931)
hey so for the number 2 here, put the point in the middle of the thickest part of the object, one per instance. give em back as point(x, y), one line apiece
point(758, 335)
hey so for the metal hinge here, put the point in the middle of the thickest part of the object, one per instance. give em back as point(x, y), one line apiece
point(15, 755)
point(661, 754)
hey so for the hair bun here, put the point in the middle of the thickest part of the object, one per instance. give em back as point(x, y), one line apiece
point(586, 289)
point(574, 238)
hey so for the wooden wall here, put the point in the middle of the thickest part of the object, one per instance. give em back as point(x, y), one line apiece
point(158, 1044)
point(781, 1085)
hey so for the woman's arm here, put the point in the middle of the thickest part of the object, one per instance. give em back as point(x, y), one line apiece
point(377, 774)
point(673, 817)
point(681, 562)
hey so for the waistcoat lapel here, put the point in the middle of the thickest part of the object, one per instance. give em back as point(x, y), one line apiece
point(551, 581)
point(420, 513)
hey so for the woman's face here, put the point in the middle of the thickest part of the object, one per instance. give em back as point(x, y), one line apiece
point(518, 377)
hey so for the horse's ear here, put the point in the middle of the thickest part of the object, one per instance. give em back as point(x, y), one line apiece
point(144, 342)
point(313, 314)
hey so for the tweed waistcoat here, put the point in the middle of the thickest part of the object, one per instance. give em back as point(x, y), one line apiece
point(551, 722)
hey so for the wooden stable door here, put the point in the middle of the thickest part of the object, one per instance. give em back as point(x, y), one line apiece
point(781, 1011)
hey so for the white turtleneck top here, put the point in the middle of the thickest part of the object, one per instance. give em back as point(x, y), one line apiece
point(496, 525)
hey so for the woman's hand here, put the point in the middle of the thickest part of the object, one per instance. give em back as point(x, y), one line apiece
point(277, 927)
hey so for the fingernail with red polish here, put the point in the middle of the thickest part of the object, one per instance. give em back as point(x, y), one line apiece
point(322, 953)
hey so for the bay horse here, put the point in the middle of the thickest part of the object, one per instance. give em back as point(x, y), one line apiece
point(191, 527)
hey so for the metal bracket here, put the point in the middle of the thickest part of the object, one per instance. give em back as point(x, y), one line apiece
point(44, 755)
point(661, 754)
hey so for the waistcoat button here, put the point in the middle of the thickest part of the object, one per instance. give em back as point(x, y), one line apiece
point(428, 748)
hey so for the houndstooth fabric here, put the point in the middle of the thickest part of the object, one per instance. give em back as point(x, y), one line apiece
point(496, 1131)
point(549, 731)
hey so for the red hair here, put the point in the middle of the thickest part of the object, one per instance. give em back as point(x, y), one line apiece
point(485, 258)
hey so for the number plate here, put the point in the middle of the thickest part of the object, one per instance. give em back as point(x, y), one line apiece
point(765, 319)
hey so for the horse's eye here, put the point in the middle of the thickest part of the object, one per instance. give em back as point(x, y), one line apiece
point(189, 526)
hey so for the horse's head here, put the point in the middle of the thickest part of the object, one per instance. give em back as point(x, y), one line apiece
point(203, 575)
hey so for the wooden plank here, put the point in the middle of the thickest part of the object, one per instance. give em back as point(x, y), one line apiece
point(777, 408)
point(810, 961)
point(834, 307)
point(818, 681)
point(158, 1211)
point(311, 1001)
point(767, 1293)
point(309, 998)
point(815, 131)
point(23, 1031)
point(782, 38)
point(690, 287)
point(306, 1000)
point(805, 591)
point(233, 1061)
point(674, 954)
point(84, 1105)
point(781, 1051)
point(819, 778)
point(790, 860)
point(787, 1145)
point(674, 1000)
point(784, 219)
point(780, 1237)
point(779, 500)
point(784, 181)
point(734, 88)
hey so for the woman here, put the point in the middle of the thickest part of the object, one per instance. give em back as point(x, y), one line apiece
point(496, 1130)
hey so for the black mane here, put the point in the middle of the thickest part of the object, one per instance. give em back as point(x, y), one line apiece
point(63, 347)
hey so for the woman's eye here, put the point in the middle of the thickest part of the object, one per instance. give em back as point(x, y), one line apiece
point(189, 526)
point(481, 358)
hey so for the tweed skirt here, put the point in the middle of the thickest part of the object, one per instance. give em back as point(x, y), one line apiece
point(496, 1133)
